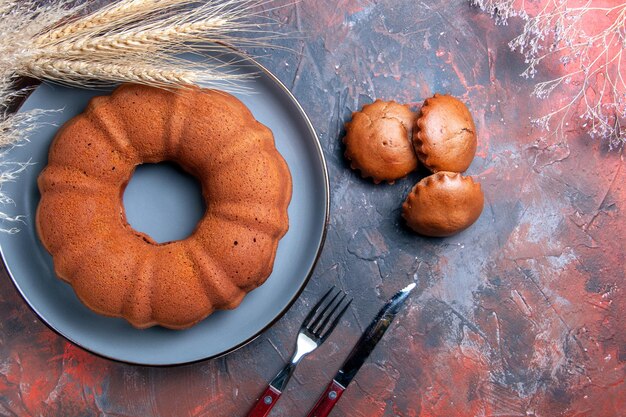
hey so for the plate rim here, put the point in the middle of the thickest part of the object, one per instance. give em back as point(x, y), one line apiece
point(309, 273)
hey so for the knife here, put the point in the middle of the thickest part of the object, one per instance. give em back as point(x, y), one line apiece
point(360, 353)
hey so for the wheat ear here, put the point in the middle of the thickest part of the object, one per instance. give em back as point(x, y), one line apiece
point(124, 10)
point(94, 74)
point(63, 69)
point(131, 41)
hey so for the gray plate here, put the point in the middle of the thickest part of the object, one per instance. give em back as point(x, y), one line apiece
point(30, 266)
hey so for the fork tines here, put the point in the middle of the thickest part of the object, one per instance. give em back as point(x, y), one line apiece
point(318, 322)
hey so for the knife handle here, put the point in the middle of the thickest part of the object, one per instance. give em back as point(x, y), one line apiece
point(327, 400)
point(265, 403)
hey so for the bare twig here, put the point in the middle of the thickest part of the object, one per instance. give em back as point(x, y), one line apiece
point(588, 41)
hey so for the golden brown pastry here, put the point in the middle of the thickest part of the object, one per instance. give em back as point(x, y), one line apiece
point(443, 204)
point(120, 272)
point(445, 135)
point(378, 141)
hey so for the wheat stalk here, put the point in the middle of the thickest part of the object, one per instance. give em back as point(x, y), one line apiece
point(140, 41)
point(126, 41)
point(132, 40)
point(68, 72)
point(131, 33)
point(91, 74)
point(115, 12)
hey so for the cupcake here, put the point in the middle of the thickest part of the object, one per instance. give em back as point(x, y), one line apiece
point(443, 204)
point(378, 141)
point(445, 136)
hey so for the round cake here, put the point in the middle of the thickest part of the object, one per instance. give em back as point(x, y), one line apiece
point(120, 272)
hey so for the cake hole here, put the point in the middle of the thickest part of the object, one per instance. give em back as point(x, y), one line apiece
point(163, 201)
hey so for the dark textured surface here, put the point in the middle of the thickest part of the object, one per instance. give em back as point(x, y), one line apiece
point(520, 315)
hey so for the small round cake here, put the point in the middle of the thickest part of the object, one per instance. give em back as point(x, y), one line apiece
point(120, 272)
point(443, 204)
point(445, 135)
point(378, 141)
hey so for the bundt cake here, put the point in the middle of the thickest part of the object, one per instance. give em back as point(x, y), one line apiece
point(120, 272)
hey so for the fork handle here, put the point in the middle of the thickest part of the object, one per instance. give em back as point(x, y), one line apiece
point(327, 400)
point(272, 393)
point(265, 403)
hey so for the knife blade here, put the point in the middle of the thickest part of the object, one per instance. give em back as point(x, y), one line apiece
point(359, 354)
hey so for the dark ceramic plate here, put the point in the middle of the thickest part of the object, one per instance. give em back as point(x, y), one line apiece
point(30, 266)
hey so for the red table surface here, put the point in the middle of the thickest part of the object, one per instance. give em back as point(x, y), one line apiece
point(521, 315)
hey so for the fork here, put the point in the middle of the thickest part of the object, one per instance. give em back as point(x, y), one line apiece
point(315, 329)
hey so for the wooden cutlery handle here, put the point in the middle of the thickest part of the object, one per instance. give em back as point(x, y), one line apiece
point(328, 400)
point(265, 403)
